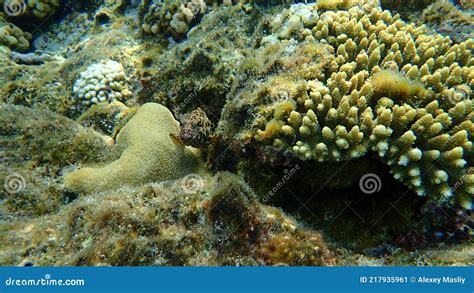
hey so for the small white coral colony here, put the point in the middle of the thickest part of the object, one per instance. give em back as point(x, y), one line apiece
point(299, 17)
point(101, 82)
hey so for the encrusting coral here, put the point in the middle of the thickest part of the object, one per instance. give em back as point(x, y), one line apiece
point(150, 153)
point(362, 80)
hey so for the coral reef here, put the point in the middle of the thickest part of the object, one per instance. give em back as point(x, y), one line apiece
point(299, 100)
point(157, 224)
point(101, 82)
point(372, 83)
point(150, 153)
point(177, 17)
point(68, 50)
point(13, 37)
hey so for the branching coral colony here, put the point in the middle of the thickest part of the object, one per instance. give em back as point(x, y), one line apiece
point(357, 81)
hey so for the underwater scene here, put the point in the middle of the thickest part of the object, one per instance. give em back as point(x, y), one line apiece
point(236, 133)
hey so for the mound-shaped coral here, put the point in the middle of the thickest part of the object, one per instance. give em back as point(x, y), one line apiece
point(350, 82)
point(150, 153)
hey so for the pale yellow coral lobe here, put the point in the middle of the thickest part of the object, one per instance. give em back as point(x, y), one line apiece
point(387, 83)
point(149, 154)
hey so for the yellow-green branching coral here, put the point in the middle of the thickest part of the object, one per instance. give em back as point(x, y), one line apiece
point(379, 85)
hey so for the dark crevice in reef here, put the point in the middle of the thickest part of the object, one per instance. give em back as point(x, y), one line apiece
point(373, 223)
point(392, 216)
